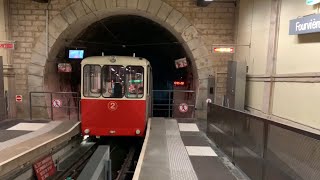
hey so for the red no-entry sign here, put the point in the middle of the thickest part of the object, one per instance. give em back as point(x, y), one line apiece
point(18, 98)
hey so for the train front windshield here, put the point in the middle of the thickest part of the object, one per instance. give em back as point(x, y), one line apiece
point(113, 81)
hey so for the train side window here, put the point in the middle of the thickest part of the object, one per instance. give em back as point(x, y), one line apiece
point(113, 81)
point(91, 81)
point(134, 81)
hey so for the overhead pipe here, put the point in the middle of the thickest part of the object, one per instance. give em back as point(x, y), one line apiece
point(204, 3)
point(41, 1)
point(231, 45)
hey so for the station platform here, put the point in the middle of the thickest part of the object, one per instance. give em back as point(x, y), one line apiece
point(22, 142)
point(178, 149)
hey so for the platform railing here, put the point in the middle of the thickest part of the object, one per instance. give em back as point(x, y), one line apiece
point(263, 149)
point(166, 103)
point(54, 105)
point(3, 107)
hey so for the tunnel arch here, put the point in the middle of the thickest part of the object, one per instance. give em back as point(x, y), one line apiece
point(78, 16)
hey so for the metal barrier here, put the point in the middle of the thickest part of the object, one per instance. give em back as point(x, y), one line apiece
point(264, 149)
point(99, 165)
point(173, 103)
point(62, 105)
point(6, 104)
point(3, 107)
point(2, 98)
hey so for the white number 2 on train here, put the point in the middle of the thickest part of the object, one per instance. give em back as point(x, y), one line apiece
point(112, 105)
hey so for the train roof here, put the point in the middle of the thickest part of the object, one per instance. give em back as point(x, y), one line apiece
point(115, 60)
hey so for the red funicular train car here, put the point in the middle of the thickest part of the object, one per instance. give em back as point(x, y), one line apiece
point(115, 96)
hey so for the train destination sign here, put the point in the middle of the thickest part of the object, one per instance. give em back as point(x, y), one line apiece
point(305, 25)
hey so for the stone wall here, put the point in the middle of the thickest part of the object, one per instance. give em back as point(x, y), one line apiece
point(214, 25)
point(27, 21)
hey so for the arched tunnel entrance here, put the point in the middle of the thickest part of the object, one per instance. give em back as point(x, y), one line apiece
point(127, 35)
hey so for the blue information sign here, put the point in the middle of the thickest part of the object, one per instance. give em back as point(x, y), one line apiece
point(305, 25)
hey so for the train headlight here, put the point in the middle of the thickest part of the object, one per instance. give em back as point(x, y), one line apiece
point(138, 131)
point(86, 131)
point(85, 137)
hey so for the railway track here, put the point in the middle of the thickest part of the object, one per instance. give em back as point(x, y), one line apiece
point(127, 164)
point(122, 155)
point(74, 170)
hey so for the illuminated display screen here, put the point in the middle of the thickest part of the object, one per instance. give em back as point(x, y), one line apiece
point(76, 54)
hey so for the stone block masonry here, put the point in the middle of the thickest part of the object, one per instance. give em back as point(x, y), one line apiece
point(200, 27)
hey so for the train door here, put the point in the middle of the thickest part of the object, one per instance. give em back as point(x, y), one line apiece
point(150, 87)
point(149, 93)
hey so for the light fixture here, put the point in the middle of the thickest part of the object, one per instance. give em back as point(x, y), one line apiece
point(85, 137)
point(223, 50)
point(86, 131)
point(113, 59)
point(138, 131)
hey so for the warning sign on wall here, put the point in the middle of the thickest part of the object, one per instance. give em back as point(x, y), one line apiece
point(6, 45)
point(183, 107)
point(57, 103)
point(18, 98)
point(44, 168)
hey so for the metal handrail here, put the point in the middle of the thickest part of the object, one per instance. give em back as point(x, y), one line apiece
point(260, 139)
point(51, 98)
point(169, 101)
point(184, 91)
point(192, 105)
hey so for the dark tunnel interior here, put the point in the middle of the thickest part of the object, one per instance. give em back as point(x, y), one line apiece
point(127, 35)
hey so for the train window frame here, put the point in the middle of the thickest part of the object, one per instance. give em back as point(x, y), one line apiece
point(148, 79)
point(102, 82)
point(143, 78)
point(89, 91)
